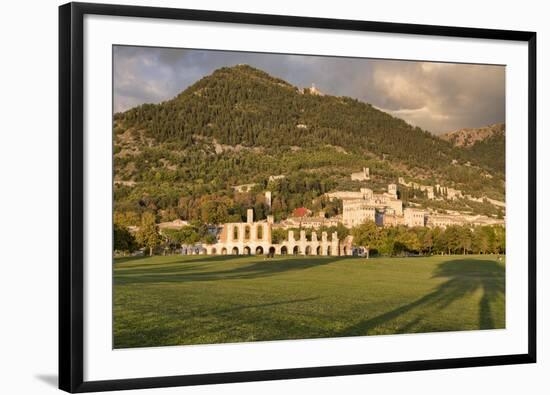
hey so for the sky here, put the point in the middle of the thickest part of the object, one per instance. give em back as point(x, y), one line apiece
point(438, 97)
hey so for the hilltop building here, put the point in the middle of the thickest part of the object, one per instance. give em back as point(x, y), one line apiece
point(275, 178)
point(362, 175)
point(244, 187)
point(315, 91)
point(175, 224)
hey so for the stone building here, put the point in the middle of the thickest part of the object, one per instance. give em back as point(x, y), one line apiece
point(362, 175)
point(357, 212)
point(315, 91)
point(430, 193)
point(414, 217)
point(392, 190)
point(390, 219)
point(175, 224)
point(453, 194)
point(348, 195)
point(429, 189)
point(444, 220)
point(275, 178)
point(254, 238)
point(309, 222)
point(370, 206)
point(244, 188)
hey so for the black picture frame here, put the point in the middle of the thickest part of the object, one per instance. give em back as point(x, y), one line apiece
point(71, 204)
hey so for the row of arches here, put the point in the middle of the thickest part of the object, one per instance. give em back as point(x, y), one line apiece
point(284, 250)
point(246, 251)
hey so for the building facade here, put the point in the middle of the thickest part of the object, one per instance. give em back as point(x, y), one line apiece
point(414, 217)
point(254, 238)
point(362, 175)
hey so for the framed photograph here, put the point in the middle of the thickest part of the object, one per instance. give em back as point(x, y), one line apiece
point(251, 197)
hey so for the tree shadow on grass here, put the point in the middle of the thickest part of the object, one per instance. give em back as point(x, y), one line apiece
point(158, 334)
point(176, 260)
point(185, 273)
point(126, 259)
point(464, 277)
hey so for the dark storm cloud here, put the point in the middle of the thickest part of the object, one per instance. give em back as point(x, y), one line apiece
point(435, 96)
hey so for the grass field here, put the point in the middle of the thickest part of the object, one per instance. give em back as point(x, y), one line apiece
point(176, 300)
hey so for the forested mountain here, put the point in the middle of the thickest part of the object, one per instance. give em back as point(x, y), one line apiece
point(243, 105)
point(240, 125)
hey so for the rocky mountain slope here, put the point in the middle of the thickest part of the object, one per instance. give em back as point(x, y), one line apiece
point(470, 136)
point(486, 144)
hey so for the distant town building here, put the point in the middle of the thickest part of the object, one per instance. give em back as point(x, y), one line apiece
point(429, 189)
point(362, 175)
point(301, 212)
point(244, 187)
point(175, 224)
point(274, 178)
point(309, 222)
point(314, 91)
point(357, 212)
point(414, 217)
point(453, 194)
point(392, 190)
point(444, 220)
point(369, 206)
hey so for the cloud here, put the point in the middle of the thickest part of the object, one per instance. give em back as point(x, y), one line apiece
point(435, 96)
point(440, 96)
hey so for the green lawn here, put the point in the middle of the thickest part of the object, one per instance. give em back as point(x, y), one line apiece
point(173, 300)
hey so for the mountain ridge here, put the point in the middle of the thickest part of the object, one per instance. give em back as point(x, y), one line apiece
point(487, 144)
point(466, 137)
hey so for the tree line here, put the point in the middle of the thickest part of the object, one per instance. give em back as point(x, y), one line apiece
point(149, 237)
point(392, 241)
point(454, 239)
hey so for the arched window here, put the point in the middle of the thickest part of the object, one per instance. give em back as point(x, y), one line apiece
point(260, 232)
point(247, 232)
point(235, 233)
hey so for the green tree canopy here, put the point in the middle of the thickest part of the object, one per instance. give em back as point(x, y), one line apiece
point(148, 236)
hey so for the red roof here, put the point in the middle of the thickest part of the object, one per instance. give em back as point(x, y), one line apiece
point(300, 212)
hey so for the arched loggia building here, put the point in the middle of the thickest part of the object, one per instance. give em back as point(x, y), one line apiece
point(254, 238)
